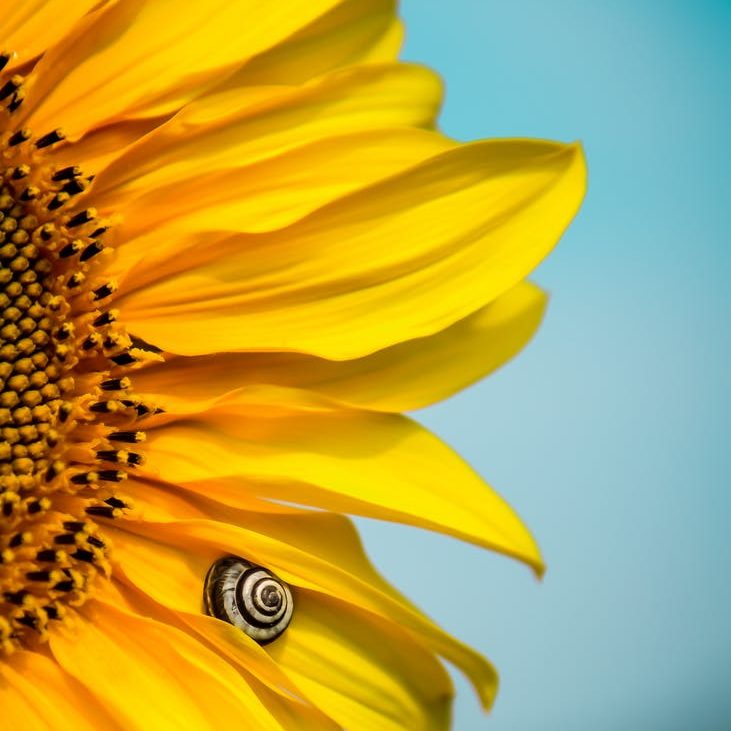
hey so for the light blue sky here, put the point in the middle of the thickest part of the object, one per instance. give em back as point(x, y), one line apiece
point(610, 433)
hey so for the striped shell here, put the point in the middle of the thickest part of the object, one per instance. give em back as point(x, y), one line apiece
point(249, 597)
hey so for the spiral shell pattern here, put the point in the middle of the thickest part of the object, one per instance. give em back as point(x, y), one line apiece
point(249, 597)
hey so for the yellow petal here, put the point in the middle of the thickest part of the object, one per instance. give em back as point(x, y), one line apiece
point(100, 146)
point(357, 670)
point(236, 128)
point(172, 579)
point(146, 57)
point(282, 699)
point(306, 451)
point(149, 675)
point(313, 551)
point(266, 195)
point(350, 33)
point(295, 717)
point(368, 675)
point(389, 45)
point(406, 376)
point(38, 695)
point(31, 26)
point(399, 260)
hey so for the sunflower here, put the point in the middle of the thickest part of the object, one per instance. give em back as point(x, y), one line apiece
point(234, 249)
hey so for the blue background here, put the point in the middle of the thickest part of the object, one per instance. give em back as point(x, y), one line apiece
point(609, 433)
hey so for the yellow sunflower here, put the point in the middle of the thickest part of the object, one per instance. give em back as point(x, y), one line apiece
point(234, 248)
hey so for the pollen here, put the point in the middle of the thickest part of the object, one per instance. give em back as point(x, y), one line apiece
point(68, 413)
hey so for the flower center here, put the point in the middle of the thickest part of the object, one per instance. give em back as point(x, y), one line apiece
point(67, 413)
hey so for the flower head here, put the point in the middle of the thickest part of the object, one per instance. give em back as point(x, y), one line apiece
point(234, 249)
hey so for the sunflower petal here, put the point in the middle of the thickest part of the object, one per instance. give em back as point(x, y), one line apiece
point(145, 57)
point(232, 129)
point(363, 673)
point(173, 681)
point(32, 26)
point(294, 717)
point(368, 675)
point(446, 237)
point(37, 695)
point(266, 195)
point(406, 376)
point(100, 146)
point(274, 689)
point(301, 449)
point(350, 33)
point(176, 585)
point(313, 551)
point(388, 46)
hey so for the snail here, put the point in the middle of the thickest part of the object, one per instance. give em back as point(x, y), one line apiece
point(249, 597)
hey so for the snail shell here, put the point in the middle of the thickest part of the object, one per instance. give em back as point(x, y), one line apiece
point(249, 597)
